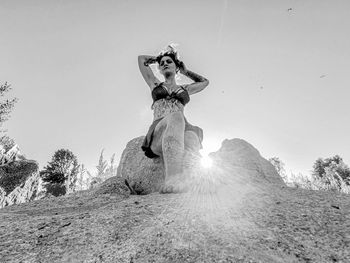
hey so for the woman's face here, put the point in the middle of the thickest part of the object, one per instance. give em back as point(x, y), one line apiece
point(167, 65)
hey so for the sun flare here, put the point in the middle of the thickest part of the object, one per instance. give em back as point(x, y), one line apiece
point(210, 144)
point(206, 161)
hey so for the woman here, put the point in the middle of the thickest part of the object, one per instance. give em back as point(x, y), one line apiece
point(170, 133)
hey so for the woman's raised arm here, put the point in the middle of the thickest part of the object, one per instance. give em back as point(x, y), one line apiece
point(147, 73)
point(199, 84)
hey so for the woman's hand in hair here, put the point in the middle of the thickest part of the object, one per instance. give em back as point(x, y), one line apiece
point(182, 68)
point(150, 60)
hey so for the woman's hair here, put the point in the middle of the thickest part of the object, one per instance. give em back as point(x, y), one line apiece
point(172, 53)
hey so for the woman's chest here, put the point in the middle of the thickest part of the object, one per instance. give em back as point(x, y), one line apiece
point(174, 92)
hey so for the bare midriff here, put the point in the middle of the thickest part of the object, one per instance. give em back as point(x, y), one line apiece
point(163, 107)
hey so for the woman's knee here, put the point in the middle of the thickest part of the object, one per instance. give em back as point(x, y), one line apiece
point(176, 120)
point(192, 141)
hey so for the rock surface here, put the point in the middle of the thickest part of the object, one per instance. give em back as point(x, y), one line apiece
point(239, 153)
point(114, 185)
point(18, 182)
point(143, 174)
point(146, 175)
point(235, 213)
point(9, 152)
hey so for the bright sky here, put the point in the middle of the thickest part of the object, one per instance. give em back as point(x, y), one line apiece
point(279, 74)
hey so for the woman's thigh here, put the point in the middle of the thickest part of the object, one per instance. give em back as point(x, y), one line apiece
point(172, 125)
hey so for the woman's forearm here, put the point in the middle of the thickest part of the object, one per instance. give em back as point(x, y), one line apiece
point(146, 60)
point(194, 76)
point(144, 57)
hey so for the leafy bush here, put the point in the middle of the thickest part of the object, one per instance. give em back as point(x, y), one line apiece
point(330, 174)
point(332, 168)
point(83, 181)
point(56, 189)
point(62, 170)
point(105, 170)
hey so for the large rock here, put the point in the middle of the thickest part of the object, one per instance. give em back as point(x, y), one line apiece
point(144, 175)
point(18, 182)
point(113, 185)
point(237, 153)
point(9, 152)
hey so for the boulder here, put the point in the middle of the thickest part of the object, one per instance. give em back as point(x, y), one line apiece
point(143, 175)
point(237, 153)
point(114, 185)
point(235, 160)
point(18, 182)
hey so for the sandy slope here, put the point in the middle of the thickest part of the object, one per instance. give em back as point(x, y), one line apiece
point(242, 222)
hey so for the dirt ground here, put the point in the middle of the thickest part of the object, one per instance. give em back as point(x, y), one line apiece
point(240, 223)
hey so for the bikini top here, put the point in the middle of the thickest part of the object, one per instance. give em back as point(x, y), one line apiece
point(161, 92)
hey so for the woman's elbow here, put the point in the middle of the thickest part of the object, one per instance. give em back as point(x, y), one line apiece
point(205, 83)
point(139, 58)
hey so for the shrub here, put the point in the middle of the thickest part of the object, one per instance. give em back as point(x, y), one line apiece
point(330, 174)
point(105, 170)
point(62, 170)
point(331, 169)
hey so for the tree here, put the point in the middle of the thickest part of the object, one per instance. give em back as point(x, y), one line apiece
point(332, 173)
point(102, 165)
point(61, 173)
point(105, 170)
point(335, 164)
point(7, 105)
point(111, 170)
point(81, 178)
point(84, 178)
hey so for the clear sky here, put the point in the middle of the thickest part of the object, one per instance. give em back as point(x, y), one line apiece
point(278, 69)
